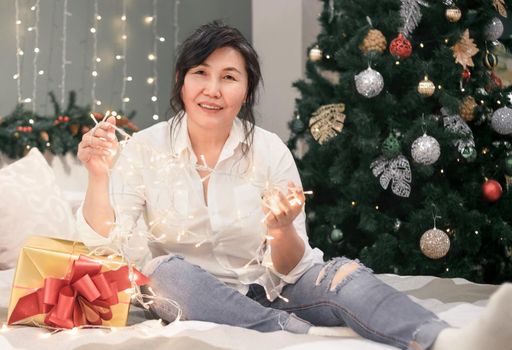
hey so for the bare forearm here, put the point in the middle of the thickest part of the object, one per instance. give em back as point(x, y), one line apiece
point(287, 248)
point(97, 209)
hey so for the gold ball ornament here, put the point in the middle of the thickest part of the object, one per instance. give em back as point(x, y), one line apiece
point(453, 14)
point(374, 41)
point(434, 243)
point(426, 87)
point(44, 136)
point(315, 54)
point(467, 108)
point(74, 128)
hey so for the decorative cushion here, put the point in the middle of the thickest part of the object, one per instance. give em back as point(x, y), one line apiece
point(31, 203)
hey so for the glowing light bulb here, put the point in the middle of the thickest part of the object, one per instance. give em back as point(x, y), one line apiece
point(162, 39)
point(36, 50)
point(93, 30)
point(98, 59)
point(124, 37)
point(20, 52)
point(119, 57)
point(155, 117)
point(151, 57)
point(98, 102)
point(94, 73)
point(30, 29)
point(129, 78)
point(150, 80)
point(126, 99)
point(15, 76)
point(98, 17)
point(123, 18)
point(154, 98)
point(41, 72)
point(18, 22)
point(148, 19)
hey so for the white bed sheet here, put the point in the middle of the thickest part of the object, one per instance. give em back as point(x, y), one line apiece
point(151, 334)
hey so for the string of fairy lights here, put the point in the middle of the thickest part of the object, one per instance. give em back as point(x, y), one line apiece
point(95, 58)
point(64, 60)
point(151, 20)
point(124, 38)
point(35, 73)
point(19, 52)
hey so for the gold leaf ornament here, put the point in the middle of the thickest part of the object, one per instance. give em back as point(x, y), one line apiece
point(327, 122)
point(464, 50)
point(500, 7)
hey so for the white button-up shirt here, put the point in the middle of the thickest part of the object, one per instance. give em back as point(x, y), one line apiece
point(156, 175)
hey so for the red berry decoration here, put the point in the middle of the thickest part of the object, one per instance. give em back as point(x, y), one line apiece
point(400, 47)
point(492, 191)
point(466, 74)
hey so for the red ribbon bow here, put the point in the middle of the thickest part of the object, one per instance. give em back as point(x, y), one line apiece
point(83, 298)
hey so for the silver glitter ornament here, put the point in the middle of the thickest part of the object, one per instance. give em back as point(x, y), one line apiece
point(494, 29)
point(501, 121)
point(435, 243)
point(425, 150)
point(369, 83)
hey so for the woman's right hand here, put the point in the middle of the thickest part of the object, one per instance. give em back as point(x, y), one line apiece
point(98, 147)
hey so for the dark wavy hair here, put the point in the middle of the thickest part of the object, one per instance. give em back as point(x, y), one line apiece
point(196, 49)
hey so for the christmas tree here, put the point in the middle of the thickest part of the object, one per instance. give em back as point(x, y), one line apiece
point(403, 132)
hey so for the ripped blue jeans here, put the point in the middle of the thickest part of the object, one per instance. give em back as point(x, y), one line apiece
point(340, 292)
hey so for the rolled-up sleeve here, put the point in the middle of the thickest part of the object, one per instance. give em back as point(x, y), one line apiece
point(284, 170)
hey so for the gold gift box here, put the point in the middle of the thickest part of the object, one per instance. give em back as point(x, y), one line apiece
point(43, 257)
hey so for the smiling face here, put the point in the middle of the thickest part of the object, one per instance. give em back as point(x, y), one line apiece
point(214, 91)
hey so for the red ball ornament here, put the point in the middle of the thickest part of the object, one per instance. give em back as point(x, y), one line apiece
point(400, 47)
point(466, 74)
point(492, 191)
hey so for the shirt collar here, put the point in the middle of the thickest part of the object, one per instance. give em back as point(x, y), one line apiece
point(182, 142)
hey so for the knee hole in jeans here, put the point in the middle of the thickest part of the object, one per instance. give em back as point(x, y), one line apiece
point(343, 272)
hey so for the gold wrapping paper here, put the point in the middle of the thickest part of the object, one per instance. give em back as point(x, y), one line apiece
point(43, 257)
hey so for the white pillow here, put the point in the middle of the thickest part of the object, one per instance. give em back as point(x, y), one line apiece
point(31, 203)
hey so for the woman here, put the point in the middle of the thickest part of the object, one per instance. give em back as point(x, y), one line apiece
point(222, 199)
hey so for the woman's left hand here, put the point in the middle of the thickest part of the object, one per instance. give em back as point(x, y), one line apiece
point(281, 210)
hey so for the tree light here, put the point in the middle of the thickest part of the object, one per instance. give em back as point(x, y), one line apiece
point(151, 57)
